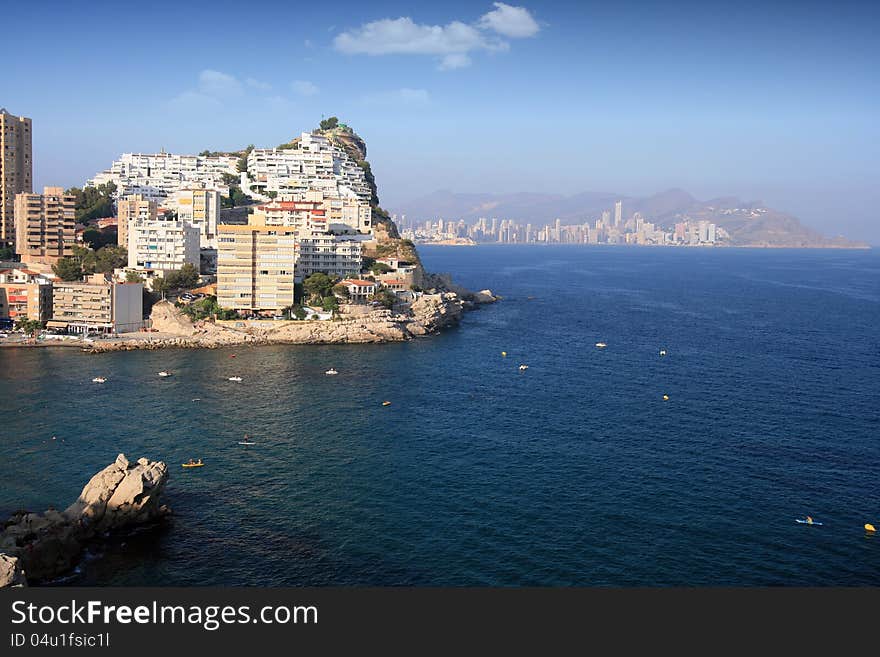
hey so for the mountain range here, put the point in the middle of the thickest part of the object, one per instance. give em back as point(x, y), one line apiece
point(749, 223)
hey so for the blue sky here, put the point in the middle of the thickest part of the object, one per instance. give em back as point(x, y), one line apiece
point(777, 101)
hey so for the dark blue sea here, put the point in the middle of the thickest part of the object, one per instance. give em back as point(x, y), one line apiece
point(573, 472)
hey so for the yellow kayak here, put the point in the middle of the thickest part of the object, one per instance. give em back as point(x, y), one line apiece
point(192, 465)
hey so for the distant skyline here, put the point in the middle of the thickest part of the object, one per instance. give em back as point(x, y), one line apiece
point(772, 101)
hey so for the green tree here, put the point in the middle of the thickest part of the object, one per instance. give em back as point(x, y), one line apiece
point(108, 258)
point(329, 124)
point(329, 303)
point(133, 277)
point(29, 326)
point(7, 253)
point(160, 286)
point(341, 290)
point(380, 268)
point(385, 297)
point(187, 277)
point(68, 269)
point(318, 285)
point(93, 202)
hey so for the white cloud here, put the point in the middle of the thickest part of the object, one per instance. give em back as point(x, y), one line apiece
point(398, 97)
point(304, 87)
point(513, 22)
point(452, 43)
point(453, 61)
point(258, 85)
point(402, 35)
point(217, 84)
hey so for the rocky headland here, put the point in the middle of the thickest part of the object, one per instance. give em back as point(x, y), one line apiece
point(354, 324)
point(43, 546)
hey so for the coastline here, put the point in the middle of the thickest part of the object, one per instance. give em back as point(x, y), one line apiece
point(430, 314)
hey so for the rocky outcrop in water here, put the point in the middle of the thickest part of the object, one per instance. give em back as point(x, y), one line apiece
point(121, 496)
point(11, 572)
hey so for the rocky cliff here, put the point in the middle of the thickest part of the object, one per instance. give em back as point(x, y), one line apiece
point(42, 546)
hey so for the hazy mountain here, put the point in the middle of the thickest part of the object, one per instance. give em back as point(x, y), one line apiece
point(749, 223)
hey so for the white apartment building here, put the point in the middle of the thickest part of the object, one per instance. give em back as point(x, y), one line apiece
point(162, 245)
point(335, 255)
point(313, 164)
point(313, 211)
point(159, 176)
point(200, 206)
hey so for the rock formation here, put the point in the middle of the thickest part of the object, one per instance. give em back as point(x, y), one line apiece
point(121, 496)
point(11, 573)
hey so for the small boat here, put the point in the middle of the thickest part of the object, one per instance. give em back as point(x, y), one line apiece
point(504, 354)
point(662, 352)
point(164, 373)
point(197, 464)
point(665, 397)
point(523, 368)
point(331, 371)
point(235, 378)
point(807, 521)
point(386, 403)
point(246, 442)
point(99, 379)
point(601, 345)
point(869, 527)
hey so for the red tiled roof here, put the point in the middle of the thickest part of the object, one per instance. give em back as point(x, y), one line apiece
point(357, 281)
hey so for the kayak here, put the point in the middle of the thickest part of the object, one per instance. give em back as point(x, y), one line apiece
point(245, 442)
point(192, 465)
point(807, 522)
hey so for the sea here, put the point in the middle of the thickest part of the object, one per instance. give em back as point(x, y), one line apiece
point(609, 466)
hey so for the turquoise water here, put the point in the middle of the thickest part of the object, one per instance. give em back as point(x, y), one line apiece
point(575, 472)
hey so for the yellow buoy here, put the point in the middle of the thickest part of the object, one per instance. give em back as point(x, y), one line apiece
point(869, 527)
point(665, 397)
point(504, 353)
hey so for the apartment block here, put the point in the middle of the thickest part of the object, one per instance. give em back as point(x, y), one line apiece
point(16, 169)
point(200, 206)
point(256, 265)
point(160, 176)
point(97, 305)
point(25, 294)
point(162, 245)
point(133, 207)
point(314, 211)
point(335, 255)
point(313, 163)
point(44, 225)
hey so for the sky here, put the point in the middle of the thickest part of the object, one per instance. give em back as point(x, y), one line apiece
point(763, 100)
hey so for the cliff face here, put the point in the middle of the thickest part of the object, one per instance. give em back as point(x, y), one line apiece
point(356, 148)
point(44, 546)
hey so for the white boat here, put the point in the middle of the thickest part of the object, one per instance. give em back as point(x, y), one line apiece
point(601, 345)
point(523, 368)
point(331, 371)
point(235, 378)
point(99, 379)
point(662, 352)
point(164, 373)
point(246, 442)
